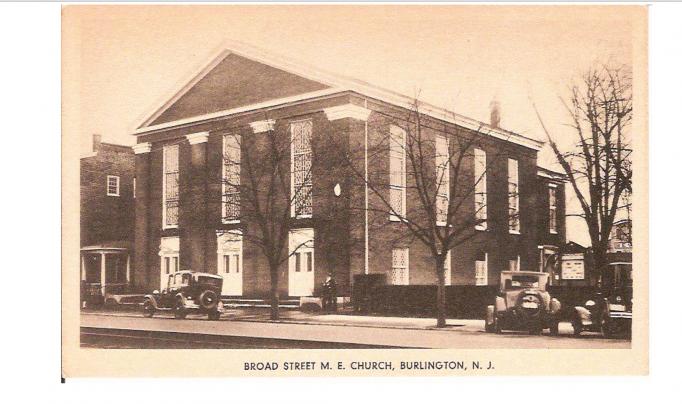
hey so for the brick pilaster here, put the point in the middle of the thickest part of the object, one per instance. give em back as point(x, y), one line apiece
point(140, 271)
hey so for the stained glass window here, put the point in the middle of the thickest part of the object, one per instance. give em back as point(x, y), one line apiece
point(481, 196)
point(301, 168)
point(397, 173)
point(171, 185)
point(513, 182)
point(231, 178)
point(442, 179)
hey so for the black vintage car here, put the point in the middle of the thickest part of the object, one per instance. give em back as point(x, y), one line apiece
point(609, 310)
point(187, 291)
point(523, 303)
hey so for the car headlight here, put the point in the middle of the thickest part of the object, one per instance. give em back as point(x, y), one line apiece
point(589, 303)
point(619, 299)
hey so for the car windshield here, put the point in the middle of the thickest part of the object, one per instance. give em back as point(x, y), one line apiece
point(182, 279)
point(209, 280)
point(522, 281)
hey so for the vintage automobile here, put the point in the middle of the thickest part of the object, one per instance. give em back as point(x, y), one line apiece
point(187, 291)
point(523, 303)
point(609, 311)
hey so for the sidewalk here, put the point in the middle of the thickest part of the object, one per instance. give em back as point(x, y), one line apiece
point(298, 317)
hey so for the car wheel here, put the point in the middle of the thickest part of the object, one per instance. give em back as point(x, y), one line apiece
point(148, 309)
point(208, 299)
point(214, 315)
point(179, 310)
point(496, 324)
point(606, 330)
point(577, 327)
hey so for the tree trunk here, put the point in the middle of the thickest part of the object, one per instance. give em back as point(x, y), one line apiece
point(274, 294)
point(440, 296)
point(600, 261)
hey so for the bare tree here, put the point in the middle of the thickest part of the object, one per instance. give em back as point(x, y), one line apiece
point(258, 196)
point(436, 164)
point(599, 165)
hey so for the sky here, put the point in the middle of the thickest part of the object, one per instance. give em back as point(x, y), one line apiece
point(457, 57)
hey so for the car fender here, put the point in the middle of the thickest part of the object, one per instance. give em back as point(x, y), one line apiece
point(583, 315)
point(500, 305)
point(152, 299)
point(179, 296)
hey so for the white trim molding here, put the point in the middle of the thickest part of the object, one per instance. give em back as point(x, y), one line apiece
point(263, 126)
point(197, 138)
point(142, 148)
point(347, 111)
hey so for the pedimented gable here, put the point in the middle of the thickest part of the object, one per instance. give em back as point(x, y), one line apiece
point(234, 82)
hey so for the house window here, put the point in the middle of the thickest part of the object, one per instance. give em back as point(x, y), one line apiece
point(400, 269)
point(513, 182)
point(113, 185)
point(231, 178)
point(171, 188)
point(482, 269)
point(480, 189)
point(442, 179)
point(446, 268)
point(515, 264)
point(301, 168)
point(552, 209)
point(397, 197)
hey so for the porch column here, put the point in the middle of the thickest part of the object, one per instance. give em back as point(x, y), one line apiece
point(195, 243)
point(103, 273)
point(127, 271)
point(141, 263)
point(82, 267)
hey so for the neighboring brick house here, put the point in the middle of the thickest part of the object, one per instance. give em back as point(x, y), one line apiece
point(107, 216)
point(244, 91)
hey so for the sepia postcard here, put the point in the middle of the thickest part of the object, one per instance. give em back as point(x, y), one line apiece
point(349, 190)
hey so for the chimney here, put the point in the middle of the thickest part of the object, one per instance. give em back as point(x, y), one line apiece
point(495, 115)
point(96, 141)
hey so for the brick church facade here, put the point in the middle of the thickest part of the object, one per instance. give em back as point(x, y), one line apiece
point(181, 220)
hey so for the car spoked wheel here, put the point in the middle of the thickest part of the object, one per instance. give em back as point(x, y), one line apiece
point(179, 310)
point(148, 308)
point(208, 299)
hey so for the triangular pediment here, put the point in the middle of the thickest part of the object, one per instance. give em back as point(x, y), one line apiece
point(243, 78)
point(233, 81)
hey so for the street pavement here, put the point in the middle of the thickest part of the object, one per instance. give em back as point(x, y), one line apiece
point(348, 329)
